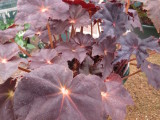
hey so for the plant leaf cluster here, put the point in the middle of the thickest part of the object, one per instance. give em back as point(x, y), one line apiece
point(74, 79)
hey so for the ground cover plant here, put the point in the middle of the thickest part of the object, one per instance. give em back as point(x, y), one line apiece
point(79, 78)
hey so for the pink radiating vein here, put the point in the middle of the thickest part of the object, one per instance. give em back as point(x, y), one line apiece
point(61, 107)
point(53, 95)
point(74, 105)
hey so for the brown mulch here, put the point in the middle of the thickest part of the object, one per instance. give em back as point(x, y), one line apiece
point(146, 98)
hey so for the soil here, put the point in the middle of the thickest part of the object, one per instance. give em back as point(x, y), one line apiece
point(146, 98)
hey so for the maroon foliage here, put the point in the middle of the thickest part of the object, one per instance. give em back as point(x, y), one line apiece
point(78, 16)
point(131, 44)
point(8, 60)
point(152, 73)
point(115, 99)
point(106, 48)
point(114, 20)
point(76, 47)
point(38, 12)
point(9, 34)
point(49, 93)
point(45, 57)
point(6, 99)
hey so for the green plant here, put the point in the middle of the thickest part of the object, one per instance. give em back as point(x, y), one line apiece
point(4, 26)
point(142, 14)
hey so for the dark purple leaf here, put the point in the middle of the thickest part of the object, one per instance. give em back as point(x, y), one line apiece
point(8, 34)
point(106, 48)
point(131, 44)
point(113, 20)
point(32, 31)
point(115, 99)
point(152, 72)
point(82, 40)
point(38, 12)
point(107, 66)
point(57, 27)
point(150, 43)
point(6, 99)
point(88, 67)
point(70, 51)
point(134, 20)
point(49, 93)
point(8, 60)
point(103, 48)
point(46, 57)
point(114, 77)
point(78, 16)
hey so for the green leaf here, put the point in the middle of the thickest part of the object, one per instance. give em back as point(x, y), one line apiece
point(26, 26)
point(30, 46)
point(2, 27)
point(33, 38)
point(21, 43)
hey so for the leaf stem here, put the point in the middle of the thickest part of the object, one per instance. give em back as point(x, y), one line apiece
point(21, 49)
point(121, 66)
point(98, 28)
point(24, 51)
point(132, 74)
point(134, 64)
point(133, 59)
point(50, 35)
point(81, 29)
point(72, 31)
point(127, 6)
point(91, 30)
point(23, 69)
point(152, 53)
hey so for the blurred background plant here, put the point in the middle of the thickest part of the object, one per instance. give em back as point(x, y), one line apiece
point(8, 12)
point(147, 25)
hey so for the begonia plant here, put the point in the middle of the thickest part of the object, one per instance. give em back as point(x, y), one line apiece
point(80, 77)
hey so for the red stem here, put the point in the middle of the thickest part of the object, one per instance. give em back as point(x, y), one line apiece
point(72, 31)
point(23, 69)
point(121, 66)
point(50, 35)
point(91, 30)
point(132, 74)
point(127, 6)
point(152, 53)
point(21, 49)
point(81, 29)
point(98, 28)
point(133, 64)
